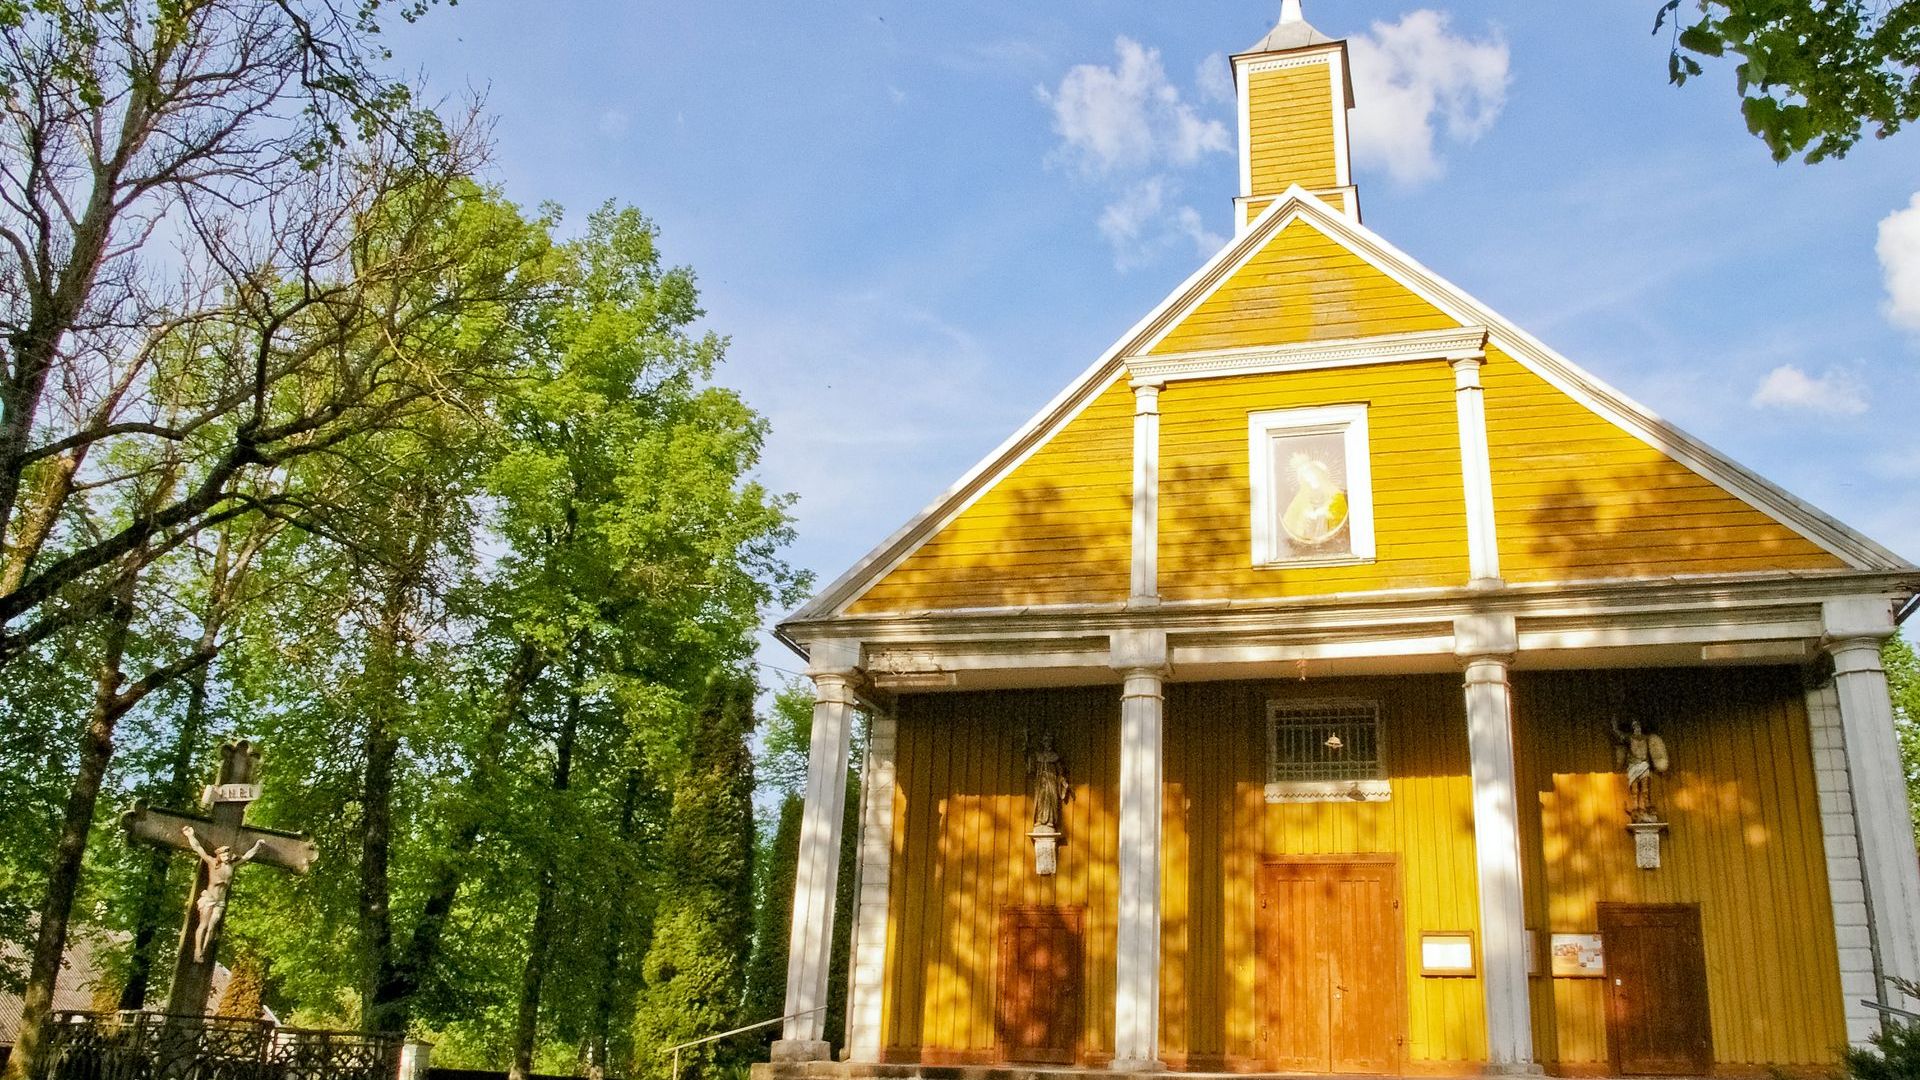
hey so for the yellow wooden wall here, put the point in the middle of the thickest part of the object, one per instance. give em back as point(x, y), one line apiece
point(1219, 826)
point(1745, 845)
point(1290, 125)
point(1419, 515)
point(1057, 530)
point(1301, 286)
point(961, 853)
point(1575, 496)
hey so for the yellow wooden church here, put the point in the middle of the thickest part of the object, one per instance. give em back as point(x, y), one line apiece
point(1336, 679)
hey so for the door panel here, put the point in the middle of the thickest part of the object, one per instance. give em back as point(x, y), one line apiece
point(1039, 1016)
point(1330, 966)
point(1658, 1022)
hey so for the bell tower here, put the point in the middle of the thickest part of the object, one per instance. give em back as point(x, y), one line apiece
point(1294, 91)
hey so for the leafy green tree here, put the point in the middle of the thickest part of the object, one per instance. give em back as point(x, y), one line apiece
point(695, 970)
point(1813, 75)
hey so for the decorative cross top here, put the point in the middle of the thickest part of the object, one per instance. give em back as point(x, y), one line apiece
point(223, 842)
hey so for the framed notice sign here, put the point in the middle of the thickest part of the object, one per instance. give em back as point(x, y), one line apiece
point(1578, 956)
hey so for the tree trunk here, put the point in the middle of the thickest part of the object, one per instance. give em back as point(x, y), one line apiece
point(539, 945)
point(63, 876)
point(393, 998)
point(597, 1050)
point(376, 799)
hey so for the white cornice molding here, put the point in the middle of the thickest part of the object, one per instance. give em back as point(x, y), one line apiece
point(1447, 345)
point(1563, 606)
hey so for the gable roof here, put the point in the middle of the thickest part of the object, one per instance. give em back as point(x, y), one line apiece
point(1297, 204)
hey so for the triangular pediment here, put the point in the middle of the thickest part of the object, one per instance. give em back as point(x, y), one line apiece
point(1043, 520)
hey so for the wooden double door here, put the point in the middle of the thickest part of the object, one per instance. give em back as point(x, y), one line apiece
point(1658, 1022)
point(1332, 988)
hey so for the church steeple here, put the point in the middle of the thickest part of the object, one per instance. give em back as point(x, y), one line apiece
point(1294, 93)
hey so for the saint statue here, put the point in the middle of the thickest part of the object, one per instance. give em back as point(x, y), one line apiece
point(212, 901)
point(1050, 788)
point(1642, 756)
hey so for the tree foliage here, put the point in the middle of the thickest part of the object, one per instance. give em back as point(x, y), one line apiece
point(1813, 75)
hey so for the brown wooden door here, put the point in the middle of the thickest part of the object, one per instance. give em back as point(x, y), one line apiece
point(1038, 1018)
point(1330, 966)
point(1656, 975)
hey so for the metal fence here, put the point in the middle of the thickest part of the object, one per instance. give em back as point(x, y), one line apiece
point(152, 1046)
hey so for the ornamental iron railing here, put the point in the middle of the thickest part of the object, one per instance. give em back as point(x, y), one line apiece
point(153, 1046)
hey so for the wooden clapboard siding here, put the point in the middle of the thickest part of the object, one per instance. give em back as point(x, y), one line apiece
point(1745, 845)
point(1056, 530)
point(1419, 514)
point(1575, 496)
point(1290, 120)
point(1254, 207)
point(964, 858)
point(1226, 828)
point(1301, 286)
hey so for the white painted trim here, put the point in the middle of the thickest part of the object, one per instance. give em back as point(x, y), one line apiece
point(1136, 1035)
point(1342, 156)
point(1347, 421)
point(1846, 885)
point(1145, 588)
point(816, 876)
point(1450, 345)
point(1243, 94)
point(1476, 473)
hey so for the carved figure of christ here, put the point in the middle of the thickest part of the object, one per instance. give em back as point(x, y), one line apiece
point(218, 841)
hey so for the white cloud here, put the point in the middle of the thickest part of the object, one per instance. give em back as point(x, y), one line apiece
point(1835, 393)
point(1899, 251)
point(613, 123)
point(1140, 225)
point(1214, 80)
point(1128, 116)
point(1415, 76)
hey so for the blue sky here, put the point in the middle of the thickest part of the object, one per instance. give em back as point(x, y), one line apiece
point(908, 253)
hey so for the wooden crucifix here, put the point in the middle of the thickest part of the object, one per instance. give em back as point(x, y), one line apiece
point(222, 842)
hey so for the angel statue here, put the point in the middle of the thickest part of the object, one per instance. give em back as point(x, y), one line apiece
point(1642, 756)
point(1050, 788)
point(211, 904)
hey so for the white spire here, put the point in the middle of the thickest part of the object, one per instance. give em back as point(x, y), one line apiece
point(1290, 11)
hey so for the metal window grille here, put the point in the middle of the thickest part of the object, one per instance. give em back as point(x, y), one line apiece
point(1323, 741)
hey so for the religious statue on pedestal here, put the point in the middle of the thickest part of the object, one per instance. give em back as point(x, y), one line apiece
point(1051, 793)
point(1642, 756)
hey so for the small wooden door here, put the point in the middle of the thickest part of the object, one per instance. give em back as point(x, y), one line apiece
point(1038, 1018)
point(1330, 966)
point(1656, 975)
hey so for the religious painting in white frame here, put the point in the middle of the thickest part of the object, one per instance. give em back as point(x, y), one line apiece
point(1312, 486)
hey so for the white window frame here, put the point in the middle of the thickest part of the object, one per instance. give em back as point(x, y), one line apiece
point(1349, 421)
point(1378, 788)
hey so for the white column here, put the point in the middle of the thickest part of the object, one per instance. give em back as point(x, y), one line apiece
point(867, 983)
point(1476, 472)
point(834, 667)
point(1487, 644)
point(1856, 627)
point(1141, 658)
point(1846, 885)
point(1146, 494)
